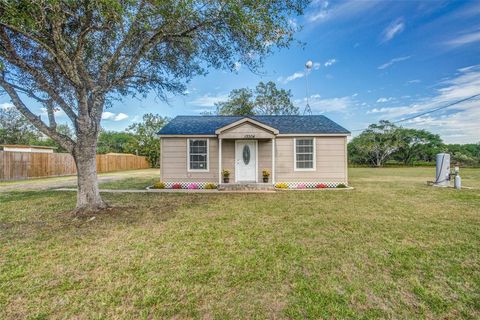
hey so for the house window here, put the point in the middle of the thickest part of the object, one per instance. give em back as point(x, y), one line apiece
point(305, 154)
point(198, 154)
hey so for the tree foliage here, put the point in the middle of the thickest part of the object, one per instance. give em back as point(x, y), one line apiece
point(266, 99)
point(15, 129)
point(376, 144)
point(78, 56)
point(385, 141)
point(146, 142)
point(116, 142)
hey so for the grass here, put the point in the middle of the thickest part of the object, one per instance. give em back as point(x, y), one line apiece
point(391, 248)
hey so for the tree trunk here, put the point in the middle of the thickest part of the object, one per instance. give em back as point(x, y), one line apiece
point(88, 195)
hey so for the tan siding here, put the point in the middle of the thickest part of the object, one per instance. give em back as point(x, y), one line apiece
point(174, 160)
point(228, 157)
point(264, 157)
point(330, 161)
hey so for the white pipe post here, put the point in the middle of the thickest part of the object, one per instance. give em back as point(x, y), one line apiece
point(273, 161)
point(219, 161)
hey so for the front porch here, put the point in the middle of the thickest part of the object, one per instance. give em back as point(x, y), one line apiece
point(245, 149)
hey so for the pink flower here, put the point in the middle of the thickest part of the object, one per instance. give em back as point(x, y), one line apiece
point(192, 186)
point(301, 186)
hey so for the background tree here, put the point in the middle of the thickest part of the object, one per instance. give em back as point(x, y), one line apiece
point(146, 142)
point(116, 142)
point(265, 100)
point(376, 144)
point(240, 103)
point(272, 101)
point(417, 145)
point(15, 128)
point(76, 56)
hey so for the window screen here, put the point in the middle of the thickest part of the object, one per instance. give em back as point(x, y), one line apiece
point(198, 154)
point(304, 153)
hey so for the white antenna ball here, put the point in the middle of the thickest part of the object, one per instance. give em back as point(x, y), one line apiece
point(309, 64)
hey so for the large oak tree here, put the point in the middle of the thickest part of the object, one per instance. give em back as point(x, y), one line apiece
point(77, 56)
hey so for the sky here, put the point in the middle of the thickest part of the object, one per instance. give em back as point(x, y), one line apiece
point(372, 60)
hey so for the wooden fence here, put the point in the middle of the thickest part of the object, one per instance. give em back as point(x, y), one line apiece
point(25, 165)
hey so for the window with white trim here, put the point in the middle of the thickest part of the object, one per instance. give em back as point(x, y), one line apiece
point(305, 154)
point(198, 154)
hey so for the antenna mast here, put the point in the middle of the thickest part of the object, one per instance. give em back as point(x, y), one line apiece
point(308, 67)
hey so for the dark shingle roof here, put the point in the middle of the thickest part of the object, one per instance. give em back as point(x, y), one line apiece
point(206, 125)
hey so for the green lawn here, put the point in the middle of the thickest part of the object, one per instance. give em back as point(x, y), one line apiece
point(391, 248)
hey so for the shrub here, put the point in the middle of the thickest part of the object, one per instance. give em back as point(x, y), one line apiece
point(210, 186)
point(281, 186)
point(321, 186)
point(341, 185)
point(225, 173)
point(266, 173)
point(159, 185)
point(176, 186)
point(301, 186)
point(192, 186)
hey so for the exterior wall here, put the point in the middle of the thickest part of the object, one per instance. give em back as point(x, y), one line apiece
point(331, 161)
point(264, 158)
point(173, 166)
point(228, 157)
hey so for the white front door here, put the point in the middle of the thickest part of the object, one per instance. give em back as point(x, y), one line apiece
point(246, 160)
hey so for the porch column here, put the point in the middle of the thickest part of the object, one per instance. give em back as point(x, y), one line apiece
point(219, 161)
point(273, 160)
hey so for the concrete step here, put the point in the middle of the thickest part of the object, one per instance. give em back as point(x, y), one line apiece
point(245, 186)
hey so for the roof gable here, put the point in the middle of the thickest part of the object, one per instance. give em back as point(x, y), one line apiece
point(244, 121)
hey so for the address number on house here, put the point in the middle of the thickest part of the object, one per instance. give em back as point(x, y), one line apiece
point(249, 136)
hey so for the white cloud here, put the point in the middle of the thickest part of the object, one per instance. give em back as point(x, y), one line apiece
point(319, 105)
point(6, 105)
point(396, 27)
point(384, 99)
point(300, 74)
point(321, 11)
point(464, 39)
point(114, 116)
point(393, 61)
point(457, 124)
point(413, 81)
point(208, 100)
point(294, 76)
point(330, 62)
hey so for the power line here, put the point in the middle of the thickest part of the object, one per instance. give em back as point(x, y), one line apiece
point(430, 111)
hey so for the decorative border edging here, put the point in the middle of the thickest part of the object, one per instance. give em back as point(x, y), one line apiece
point(310, 185)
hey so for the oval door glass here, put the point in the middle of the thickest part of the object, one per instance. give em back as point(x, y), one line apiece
point(246, 154)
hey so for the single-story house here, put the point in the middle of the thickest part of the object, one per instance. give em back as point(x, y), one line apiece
point(26, 148)
point(309, 150)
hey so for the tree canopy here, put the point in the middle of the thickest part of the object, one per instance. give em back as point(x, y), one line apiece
point(266, 99)
point(146, 142)
point(79, 56)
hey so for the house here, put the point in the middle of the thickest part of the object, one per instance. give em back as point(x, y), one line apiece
point(307, 150)
point(25, 148)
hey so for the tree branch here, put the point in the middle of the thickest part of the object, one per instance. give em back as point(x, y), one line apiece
point(13, 58)
point(64, 141)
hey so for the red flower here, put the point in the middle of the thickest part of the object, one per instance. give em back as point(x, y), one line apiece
point(321, 186)
point(176, 186)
